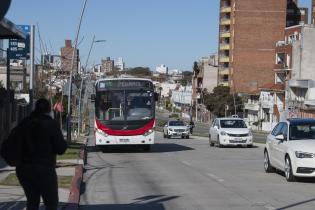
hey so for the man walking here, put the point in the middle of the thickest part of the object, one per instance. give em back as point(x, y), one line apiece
point(43, 140)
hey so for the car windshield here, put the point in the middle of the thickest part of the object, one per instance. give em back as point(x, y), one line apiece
point(232, 124)
point(302, 132)
point(177, 123)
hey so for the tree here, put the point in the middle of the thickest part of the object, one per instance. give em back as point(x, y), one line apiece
point(220, 99)
point(140, 71)
point(187, 77)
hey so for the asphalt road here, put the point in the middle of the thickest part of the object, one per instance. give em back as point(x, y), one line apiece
point(186, 174)
point(202, 129)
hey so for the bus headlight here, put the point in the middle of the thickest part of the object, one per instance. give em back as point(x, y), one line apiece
point(148, 132)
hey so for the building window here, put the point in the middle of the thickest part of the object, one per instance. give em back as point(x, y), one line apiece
point(280, 58)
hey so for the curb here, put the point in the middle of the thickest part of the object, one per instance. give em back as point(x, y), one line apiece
point(75, 188)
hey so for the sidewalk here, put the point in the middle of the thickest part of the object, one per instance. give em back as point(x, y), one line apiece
point(12, 197)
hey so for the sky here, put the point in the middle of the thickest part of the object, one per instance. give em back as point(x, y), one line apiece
point(143, 32)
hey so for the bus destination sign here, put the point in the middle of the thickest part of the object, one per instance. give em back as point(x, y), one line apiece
point(124, 84)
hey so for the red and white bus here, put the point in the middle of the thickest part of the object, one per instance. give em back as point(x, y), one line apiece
point(125, 112)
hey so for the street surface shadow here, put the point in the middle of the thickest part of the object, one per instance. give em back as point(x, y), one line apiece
point(298, 179)
point(152, 202)
point(156, 148)
point(21, 205)
point(233, 147)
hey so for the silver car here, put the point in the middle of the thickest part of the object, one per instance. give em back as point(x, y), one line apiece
point(176, 128)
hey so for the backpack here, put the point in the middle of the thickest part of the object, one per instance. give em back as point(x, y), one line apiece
point(13, 147)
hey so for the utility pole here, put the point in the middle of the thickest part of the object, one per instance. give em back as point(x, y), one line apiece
point(71, 74)
point(32, 56)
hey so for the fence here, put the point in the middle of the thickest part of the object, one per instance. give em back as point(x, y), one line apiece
point(11, 112)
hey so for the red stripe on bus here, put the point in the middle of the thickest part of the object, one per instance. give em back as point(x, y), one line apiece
point(139, 131)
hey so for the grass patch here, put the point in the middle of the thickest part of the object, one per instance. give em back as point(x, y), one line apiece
point(12, 180)
point(72, 152)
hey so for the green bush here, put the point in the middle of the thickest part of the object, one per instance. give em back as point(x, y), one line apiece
point(174, 115)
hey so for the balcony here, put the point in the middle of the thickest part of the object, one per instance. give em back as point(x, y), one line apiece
point(253, 106)
point(224, 59)
point(302, 83)
point(224, 46)
point(226, 9)
point(224, 71)
point(225, 34)
point(225, 21)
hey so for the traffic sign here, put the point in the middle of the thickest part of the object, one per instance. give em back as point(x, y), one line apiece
point(20, 48)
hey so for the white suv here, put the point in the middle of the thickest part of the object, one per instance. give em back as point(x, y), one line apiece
point(230, 131)
point(176, 129)
point(290, 147)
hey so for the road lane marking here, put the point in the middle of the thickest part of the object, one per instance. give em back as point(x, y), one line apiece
point(215, 177)
point(186, 163)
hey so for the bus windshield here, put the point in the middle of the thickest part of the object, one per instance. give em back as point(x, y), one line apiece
point(124, 105)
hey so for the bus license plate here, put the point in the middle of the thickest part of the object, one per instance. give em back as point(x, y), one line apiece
point(124, 140)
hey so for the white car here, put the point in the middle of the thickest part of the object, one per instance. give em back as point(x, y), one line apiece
point(176, 128)
point(230, 131)
point(290, 147)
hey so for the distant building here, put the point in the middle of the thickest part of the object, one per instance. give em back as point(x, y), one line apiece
point(162, 69)
point(47, 60)
point(206, 78)
point(66, 57)
point(107, 65)
point(119, 64)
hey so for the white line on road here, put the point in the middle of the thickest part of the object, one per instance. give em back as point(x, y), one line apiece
point(186, 163)
point(215, 177)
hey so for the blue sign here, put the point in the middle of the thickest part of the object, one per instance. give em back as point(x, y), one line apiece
point(20, 48)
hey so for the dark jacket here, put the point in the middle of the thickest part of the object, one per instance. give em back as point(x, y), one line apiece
point(43, 140)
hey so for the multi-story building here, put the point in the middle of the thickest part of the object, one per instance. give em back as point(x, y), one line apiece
point(120, 64)
point(206, 77)
point(66, 58)
point(162, 69)
point(301, 87)
point(313, 12)
point(249, 30)
point(107, 65)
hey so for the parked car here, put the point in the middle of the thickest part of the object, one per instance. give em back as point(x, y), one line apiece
point(290, 147)
point(176, 128)
point(230, 131)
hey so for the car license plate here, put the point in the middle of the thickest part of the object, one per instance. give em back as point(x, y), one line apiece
point(238, 139)
point(124, 140)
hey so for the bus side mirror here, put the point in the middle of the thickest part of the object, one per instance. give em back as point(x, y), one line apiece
point(156, 96)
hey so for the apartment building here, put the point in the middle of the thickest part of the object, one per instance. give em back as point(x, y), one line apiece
point(206, 77)
point(107, 65)
point(66, 58)
point(249, 30)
